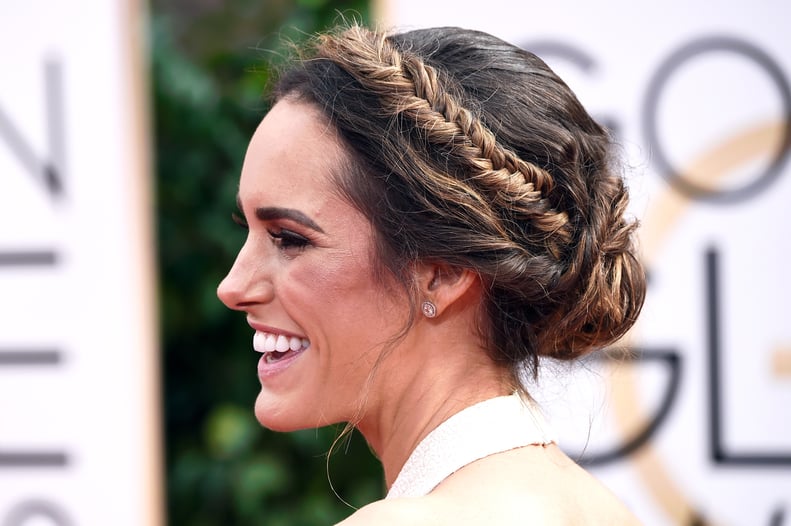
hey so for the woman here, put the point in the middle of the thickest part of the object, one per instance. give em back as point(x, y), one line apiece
point(429, 213)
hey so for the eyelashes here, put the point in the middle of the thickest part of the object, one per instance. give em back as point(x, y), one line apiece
point(240, 220)
point(286, 240)
point(289, 240)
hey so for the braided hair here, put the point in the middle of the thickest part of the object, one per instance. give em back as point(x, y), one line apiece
point(470, 151)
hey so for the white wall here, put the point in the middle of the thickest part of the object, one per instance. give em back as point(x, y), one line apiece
point(78, 383)
point(705, 88)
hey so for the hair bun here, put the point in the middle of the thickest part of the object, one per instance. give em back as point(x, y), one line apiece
point(479, 139)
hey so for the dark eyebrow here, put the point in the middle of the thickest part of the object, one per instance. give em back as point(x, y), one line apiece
point(268, 213)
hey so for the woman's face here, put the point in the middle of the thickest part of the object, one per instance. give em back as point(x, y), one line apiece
point(304, 276)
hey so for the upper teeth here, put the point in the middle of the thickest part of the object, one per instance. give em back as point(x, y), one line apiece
point(268, 342)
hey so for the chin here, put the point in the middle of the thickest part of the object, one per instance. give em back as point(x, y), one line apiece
point(277, 415)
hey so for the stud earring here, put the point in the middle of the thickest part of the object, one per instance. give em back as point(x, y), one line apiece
point(429, 309)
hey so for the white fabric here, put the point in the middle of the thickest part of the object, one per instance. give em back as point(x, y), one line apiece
point(489, 427)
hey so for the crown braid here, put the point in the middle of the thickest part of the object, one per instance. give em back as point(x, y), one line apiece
point(407, 85)
point(470, 151)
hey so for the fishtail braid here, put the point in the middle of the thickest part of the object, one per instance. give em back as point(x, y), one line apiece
point(407, 85)
point(468, 150)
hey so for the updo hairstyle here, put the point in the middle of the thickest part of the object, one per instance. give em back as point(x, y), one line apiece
point(470, 151)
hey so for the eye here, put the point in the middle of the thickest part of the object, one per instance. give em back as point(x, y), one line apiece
point(288, 240)
point(240, 220)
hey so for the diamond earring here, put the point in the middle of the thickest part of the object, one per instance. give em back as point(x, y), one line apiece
point(429, 309)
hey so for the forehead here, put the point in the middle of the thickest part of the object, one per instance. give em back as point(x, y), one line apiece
point(294, 149)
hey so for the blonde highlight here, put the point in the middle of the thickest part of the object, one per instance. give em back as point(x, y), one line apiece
point(468, 150)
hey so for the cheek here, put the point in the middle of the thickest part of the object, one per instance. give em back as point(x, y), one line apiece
point(338, 296)
point(328, 285)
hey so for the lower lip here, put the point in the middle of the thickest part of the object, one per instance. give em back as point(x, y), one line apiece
point(267, 370)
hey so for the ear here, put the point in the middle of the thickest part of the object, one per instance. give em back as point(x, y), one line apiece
point(445, 285)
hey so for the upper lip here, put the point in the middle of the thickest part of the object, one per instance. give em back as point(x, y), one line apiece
point(272, 330)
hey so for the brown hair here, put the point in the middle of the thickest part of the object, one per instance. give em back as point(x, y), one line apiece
point(468, 150)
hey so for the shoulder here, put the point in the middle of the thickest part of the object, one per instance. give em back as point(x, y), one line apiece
point(413, 511)
point(532, 485)
point(536, 485)
point(431, 510)
point(513, 510)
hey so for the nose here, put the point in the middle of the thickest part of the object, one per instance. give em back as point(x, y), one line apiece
point(247, 283)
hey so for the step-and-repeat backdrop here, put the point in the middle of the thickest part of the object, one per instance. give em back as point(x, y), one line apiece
point(78, 384)
point(695, 426)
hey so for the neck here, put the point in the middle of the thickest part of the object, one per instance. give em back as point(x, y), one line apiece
point(421, 391)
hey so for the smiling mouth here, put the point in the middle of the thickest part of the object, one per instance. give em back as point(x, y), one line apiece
point(277, 347)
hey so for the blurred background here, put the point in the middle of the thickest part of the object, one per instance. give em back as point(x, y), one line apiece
point(211, 62)
point(126, 389)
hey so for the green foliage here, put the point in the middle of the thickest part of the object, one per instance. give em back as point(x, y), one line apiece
point(210, 70)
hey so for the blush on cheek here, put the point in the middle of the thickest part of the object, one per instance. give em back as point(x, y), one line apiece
point(323, 291)
point(337, 295)
point(333, 274)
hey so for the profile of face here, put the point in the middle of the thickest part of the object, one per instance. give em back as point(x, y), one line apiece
point(305, 276)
